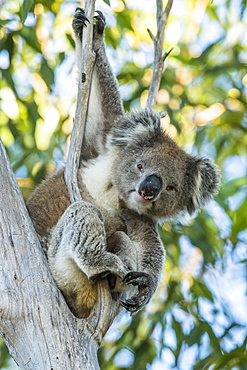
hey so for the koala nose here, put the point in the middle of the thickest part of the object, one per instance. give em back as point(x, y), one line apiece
point(150, 187)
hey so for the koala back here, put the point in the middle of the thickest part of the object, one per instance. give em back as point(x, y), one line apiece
point(48, 202)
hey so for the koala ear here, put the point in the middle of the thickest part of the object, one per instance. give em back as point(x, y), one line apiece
point(136, 128)
point(203, 182)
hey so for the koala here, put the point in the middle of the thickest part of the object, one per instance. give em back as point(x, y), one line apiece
point(132, 175)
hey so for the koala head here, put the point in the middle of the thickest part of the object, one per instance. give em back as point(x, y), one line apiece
point(152, 174)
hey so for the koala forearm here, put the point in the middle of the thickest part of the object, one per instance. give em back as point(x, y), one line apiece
point(111, 102)
point(151, 253)
point(152, 260)
point(142, 231)
point(150, 257)
point(105, 104)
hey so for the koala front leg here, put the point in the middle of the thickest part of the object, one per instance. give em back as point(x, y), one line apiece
point(144, 235)
point(104, 80)
point(77, 251)
point(105, 104)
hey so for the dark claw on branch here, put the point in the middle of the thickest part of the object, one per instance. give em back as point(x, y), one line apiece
point(100, 24)
point(79, 21)
point(130, 305)
point(81, 14)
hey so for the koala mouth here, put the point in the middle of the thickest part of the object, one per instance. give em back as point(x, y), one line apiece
point(141, 199)
point(146, 197)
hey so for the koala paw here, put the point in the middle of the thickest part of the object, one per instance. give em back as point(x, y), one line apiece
point(144, 283)
point(79, 21)
point(105, 274)
point(100, 24)
point(100, 276)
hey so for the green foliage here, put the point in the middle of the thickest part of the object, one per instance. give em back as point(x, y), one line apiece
point(25, 8)
point(192, 322)
point(4, 354)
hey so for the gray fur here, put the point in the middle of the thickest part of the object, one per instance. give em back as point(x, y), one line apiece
point(132, 174)
point(101, 112)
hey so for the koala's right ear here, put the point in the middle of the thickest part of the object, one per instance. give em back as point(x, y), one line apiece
point(203, 180)
point(138, 128)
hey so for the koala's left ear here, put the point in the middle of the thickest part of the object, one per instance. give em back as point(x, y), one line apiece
point(203, 179)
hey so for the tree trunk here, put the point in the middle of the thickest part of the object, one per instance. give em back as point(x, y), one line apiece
point(35, 322)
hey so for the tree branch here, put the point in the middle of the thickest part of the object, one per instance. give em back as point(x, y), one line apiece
point(35, 322)
point(159, 58)
point(84, 85)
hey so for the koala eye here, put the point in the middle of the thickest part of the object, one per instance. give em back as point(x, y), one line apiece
point(170, 188)
point(140, 167)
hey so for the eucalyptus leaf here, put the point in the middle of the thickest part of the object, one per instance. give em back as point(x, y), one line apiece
point(25, 8)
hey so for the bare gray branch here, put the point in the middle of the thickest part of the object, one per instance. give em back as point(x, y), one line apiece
point(159, 58)
point(84, 84)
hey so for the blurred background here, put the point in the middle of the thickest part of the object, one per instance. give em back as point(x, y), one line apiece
point(198, 317)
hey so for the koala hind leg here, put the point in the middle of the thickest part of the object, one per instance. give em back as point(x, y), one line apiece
point(77, 251)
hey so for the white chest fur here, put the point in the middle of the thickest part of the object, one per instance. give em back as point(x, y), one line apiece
point(96, 176)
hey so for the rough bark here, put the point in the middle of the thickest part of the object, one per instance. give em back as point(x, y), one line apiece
point(35, 322)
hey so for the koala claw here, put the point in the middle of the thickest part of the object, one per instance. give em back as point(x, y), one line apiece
point(100, 16)
point(100, 276)
point(144, 282)
point(100, 24)
point(129, 305)
point(134, 304)
point(79, 21)
point(136, 278)
point(80, 16)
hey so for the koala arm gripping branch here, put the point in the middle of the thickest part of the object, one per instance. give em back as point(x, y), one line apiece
point(143, 233)
point(105, 104)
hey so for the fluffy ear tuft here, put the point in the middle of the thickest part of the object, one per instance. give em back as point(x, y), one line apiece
point(205, 183)
point(137, 128)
